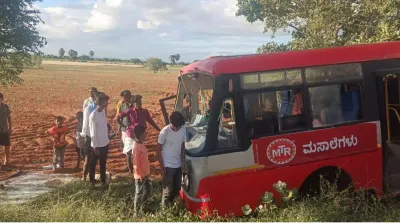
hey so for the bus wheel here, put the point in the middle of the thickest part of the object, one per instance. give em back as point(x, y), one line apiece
point(326, 179)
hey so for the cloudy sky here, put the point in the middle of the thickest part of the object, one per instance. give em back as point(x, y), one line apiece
point(144, 28)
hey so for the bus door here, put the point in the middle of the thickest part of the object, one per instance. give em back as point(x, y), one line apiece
point(389, 99)
point(167, 107)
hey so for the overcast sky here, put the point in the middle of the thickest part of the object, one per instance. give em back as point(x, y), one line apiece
point(150, 28)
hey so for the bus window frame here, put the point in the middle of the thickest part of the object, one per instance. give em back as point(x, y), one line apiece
point(219, 95)
point(363, 118)
point(237, 146)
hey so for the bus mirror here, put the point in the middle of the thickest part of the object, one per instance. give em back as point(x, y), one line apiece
point(230, 86)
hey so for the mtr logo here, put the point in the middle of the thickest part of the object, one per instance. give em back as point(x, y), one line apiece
point(281, 151)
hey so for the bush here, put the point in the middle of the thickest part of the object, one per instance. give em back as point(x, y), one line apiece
point(156, 64)
point(76, 202)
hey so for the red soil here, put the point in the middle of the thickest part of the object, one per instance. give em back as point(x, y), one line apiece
point(57, 90)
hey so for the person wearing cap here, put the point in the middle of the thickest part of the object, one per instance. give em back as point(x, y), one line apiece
point(91, 99)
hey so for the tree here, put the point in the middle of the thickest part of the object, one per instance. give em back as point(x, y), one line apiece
point(324, 23)
point(84, 58)
point(61, 53)
point(91, 53)
point(73, 54)
point(19, 38)
point(156, 64)
point(136, 61)
point(274, 47)
point(174, 58)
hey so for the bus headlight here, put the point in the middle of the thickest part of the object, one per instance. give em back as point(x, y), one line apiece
point(185, 182)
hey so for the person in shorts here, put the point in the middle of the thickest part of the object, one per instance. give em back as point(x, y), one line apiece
point(141, 169)
point(124, 104)
point(171, 153)
point(59, 144)
point(5, 128)
point(137, 115)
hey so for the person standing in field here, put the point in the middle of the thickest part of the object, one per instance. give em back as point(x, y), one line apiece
point(79, 146)
point(144, 114)
point(137, 115)
point(171, 154)
point(141, 169)
point(85, 133)
point(59, 144)
point(91, 99)
point(122, 106)
point(99, 135)
point(5, 128)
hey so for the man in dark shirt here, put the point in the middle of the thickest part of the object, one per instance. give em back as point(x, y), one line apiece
point(5, 128)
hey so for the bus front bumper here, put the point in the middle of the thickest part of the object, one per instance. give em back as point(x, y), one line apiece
point(196, 205)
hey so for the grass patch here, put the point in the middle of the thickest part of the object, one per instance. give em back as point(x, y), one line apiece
point(76, 202)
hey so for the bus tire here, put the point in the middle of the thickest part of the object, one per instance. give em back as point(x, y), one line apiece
point(331, 176)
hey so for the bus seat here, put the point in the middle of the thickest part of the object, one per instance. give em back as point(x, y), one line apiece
point(350, 105)
point(293, 122)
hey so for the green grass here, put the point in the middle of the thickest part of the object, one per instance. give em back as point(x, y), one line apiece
point(76, 202)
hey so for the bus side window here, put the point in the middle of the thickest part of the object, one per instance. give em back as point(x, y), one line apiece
point(269, 113)
point(335, 104)
point(227, 135)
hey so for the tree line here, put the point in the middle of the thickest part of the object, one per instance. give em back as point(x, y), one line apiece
point(73, 55)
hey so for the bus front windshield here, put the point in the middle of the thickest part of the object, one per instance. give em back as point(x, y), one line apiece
point(194, 102)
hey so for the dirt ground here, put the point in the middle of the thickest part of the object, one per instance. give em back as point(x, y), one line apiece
point(61, 90)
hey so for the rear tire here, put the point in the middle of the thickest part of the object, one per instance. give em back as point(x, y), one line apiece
point(326, 178)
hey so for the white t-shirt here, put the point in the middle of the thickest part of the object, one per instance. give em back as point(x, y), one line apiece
point(85, 125)
point(171, 142)
point(98, 129)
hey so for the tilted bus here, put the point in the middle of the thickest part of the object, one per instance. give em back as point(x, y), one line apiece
point(291, 117)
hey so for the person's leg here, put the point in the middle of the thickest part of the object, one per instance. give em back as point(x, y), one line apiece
point(62, 153)
point(86, 164)
point(78, 159)
point(92, 168)
point(123, 134)
point(146, 190)
point(177, 183)
point(130, 161)
point(6, 155)
point(6, 143)
point(139, 187)
point(55, 158)
point(167, 187)
point(103, 163)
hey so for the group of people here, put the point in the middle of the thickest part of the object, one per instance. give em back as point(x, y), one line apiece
point(93, 136)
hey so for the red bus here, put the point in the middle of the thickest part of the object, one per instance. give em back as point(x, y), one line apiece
point(258, 119)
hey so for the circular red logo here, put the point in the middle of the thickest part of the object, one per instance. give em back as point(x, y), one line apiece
point(281, 151)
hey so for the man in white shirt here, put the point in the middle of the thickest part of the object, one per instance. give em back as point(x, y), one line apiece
point(171, 150)
point(91, 99)
point(99, 138)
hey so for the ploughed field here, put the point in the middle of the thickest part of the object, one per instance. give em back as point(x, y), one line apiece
point(60, 89)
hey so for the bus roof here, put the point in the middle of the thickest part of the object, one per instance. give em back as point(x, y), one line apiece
point(221, 65)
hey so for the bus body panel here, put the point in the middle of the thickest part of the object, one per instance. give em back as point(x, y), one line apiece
point(227, 193)
point(236, 179)
point(310, 146)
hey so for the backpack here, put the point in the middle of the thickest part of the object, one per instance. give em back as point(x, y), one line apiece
point(81, 141)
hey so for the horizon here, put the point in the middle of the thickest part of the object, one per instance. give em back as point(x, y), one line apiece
point(127, 29)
